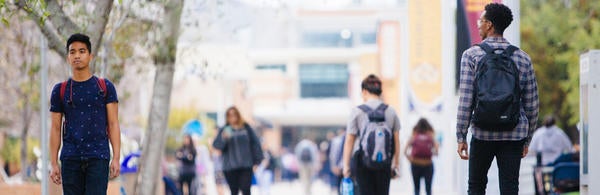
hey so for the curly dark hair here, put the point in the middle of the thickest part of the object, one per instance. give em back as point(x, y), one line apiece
point(372, 84)
point(499, 15)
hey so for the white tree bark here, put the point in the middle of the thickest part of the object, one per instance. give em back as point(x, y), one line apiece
point(155, 137)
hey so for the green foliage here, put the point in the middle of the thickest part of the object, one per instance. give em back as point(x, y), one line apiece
point(555, 33)
point(178, 118)
point(11, 148)
point(5, 22)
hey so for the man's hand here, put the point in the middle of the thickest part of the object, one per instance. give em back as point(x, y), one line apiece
point(346, 171)
point(115, 168)
point(463, 151)
point(525, 151)
point(336, 171)
point(55, 174)
point(395, 171)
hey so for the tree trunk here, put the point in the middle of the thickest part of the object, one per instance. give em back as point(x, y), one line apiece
point(24, 134)
point(24, 151)
point(155, 136)
point(154, 139)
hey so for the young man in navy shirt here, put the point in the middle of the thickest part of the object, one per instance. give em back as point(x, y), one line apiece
point(89, 106)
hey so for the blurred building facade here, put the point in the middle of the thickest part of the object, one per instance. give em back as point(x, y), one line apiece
point(295, 68)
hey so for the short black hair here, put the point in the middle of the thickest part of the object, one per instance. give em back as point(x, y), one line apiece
point(78, 37)
point(499, 15)
point(372, 84)
point(549, 121)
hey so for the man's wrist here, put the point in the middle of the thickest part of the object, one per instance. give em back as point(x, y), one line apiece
point(346, 165)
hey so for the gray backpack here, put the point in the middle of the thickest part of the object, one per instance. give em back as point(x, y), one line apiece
point(376, 141)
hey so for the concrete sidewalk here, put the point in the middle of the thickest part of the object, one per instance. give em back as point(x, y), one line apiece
point(320, 188)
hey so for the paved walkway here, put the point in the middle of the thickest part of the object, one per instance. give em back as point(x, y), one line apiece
point(320, 188)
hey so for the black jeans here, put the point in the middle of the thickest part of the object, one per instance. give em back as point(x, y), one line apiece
point(373, 181)
point(422, 171)
point(508, 156)
point(239, 180)
point(84, 176)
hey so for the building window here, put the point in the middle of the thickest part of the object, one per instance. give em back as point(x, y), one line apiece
point(277, 67)
point(327, 39)
point(345, 38)
point(323, 80)
point(368, 38)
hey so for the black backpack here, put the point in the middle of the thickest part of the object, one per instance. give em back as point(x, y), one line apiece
point(305, 155)
point(497, 92)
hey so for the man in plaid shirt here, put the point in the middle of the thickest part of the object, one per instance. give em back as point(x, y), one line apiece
point(508, 147)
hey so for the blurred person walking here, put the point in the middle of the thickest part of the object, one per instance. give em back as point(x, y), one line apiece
point(499, 101)
point(335, 159)
point(187, 170)
point(550, 141)
point(89, 106)
point(421, 147)
point(289, 171)
point(220, 181)
point(266, 171)
point(375, 157)
point(241, 152)
point(307, 154)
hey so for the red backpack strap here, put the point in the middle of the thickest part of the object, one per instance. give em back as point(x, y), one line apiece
point(63, 88)
point(102, 84)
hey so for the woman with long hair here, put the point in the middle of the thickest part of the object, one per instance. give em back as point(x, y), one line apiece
point(241, 152)
point(419, 150)
point(187, 172)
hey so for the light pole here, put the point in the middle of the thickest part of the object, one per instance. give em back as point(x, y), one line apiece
point(44, 113)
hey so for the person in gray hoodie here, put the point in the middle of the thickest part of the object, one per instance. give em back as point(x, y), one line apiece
point(550, 141)
point(241, 152)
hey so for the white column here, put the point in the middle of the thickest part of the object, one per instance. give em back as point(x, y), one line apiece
point(513, 32)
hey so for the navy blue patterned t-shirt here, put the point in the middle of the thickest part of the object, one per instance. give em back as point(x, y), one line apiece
point(84, 133)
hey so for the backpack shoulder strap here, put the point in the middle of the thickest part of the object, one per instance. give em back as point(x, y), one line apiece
point(510, 50)
point(366, 109)
point(486, 48)
point(102, 84)
point(382, 107)
point(63, 88)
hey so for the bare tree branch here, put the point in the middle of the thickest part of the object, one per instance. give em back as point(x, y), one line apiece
point(64, 25)
point(55, 42)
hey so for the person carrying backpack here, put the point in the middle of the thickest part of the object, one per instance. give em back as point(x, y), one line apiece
point(89, 107)
point(419, 150)
point(307, 154)
point(499, 101)
point(372, 144)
